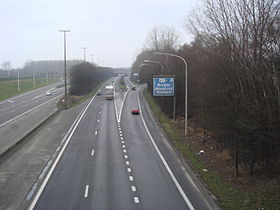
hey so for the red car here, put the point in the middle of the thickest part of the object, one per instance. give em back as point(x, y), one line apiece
point(135, 111)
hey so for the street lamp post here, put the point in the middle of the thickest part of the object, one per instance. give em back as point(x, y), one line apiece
point(84, 48)
point(156, 62)
point(18, 80)
point(65, 77)
point(186, 95)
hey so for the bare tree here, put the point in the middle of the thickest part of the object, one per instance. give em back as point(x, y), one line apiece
point(162, 38)
point(243, 38)
point(7, 66)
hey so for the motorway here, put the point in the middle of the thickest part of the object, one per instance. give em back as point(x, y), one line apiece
point(114, 160)
point(15, 107)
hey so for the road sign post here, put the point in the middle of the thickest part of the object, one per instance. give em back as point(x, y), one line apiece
point(165, 86)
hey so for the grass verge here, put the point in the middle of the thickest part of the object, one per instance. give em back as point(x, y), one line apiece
point(9, 88)
point(228, 195)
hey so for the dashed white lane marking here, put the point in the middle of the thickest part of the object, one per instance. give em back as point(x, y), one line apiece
point(99, 112)
point(121, 138)
point(125, 156)
point(98, 120)
point(121, 134)
point(120, 131)
point(136, 199)
point(123, 146)
point(58, 148)
point(124, 150)
point(133, 188)
point(86, 191)
point(95, 133)
point(67, 138)
point(122, 142)
point(131, 178)
point(92, 152)
point(127, 162)
point(129, 170)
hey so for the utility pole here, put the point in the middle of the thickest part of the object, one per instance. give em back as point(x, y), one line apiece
point(65, 77)
point(18, 80)
point(84, 48)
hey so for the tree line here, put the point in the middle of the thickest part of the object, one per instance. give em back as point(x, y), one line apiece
point(233, 76)
point(86, 76)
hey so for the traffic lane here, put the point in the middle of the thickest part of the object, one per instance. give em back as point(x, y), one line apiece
point(20, 170)
point(28, 95)
point(28, 100)
point(155, 186)
point(18, 109)
point(112, 191)
point(110, 183)
point(66, 187)
point(193, 188)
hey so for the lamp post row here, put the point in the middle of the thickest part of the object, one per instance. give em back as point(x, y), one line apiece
point(186, 84)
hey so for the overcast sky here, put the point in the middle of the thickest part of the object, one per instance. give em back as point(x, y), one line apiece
point(113, 30)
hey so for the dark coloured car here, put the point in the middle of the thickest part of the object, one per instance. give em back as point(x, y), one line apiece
point(133, 88)
point(99, 93)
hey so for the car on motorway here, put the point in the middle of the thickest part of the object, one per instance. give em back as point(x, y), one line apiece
point(48, 93)
point(99, 93)
point(133, 88)
point(135, 111)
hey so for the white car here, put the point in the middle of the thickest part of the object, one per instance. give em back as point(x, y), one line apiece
point(48, 93)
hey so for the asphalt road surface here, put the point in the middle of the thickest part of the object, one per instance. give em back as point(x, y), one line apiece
point(118, 161)
point(15, 107)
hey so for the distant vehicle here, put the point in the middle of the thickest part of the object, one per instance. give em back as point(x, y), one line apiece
point(48, 93)
point(99, 93)
point(133, 88)
point(109, 92)
point(135, 111)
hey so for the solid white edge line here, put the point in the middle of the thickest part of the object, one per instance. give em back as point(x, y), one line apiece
point(30, 110)
point(71, 131)
point(186, 199)
point(123, 103)
point(115, 105)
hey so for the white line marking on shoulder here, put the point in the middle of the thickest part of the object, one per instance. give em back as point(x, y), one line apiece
point(186, 199)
